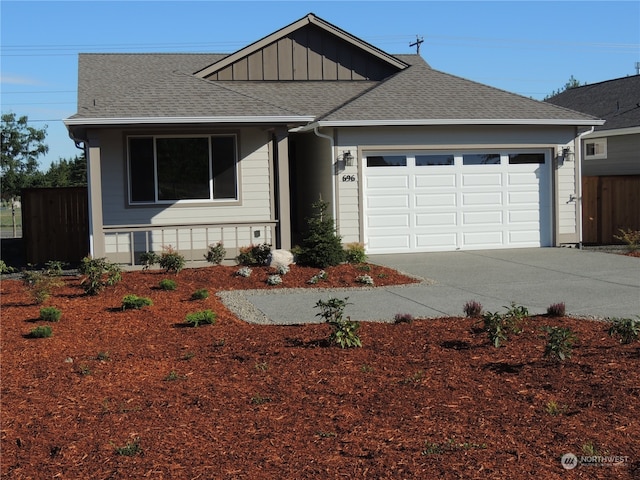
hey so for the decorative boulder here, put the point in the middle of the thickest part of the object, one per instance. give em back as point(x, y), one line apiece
point(280, 257)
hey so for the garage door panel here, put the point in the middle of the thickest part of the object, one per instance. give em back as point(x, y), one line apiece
point(383, 221)
point(524, 198)
point(514, 179)
point(435, 200)
point(442, 241)
point(524, 216)
point(483, 239)
point(386, 182)
point(436, 219)
point(522, 237)
point(482, 179)
point(389, 242)
point(482, 199)
point(482, 218)
point(388, 201)
point(434, 181)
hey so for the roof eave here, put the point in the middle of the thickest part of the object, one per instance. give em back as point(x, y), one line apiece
point(115, 121)
point(450, 121)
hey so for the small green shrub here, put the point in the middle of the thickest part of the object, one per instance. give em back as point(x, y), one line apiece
point(626, 329)
point(203, 316)
point(244, 272)
point(39, 284)
point(354, 253)
point(168, 284)
point(41, 331)
point(403, 318)
point(215, 253)
point(556, 309)
point(560, 342)
point(514, 316)
point(321, 275)
point(50, 314)
point(274, 280)
point(344, 332)
point(5, 269)
point(254, 254)
point(54, 268)
point(552, 408)
point(130, 449)
point(630, 237)
point(134, 302)
point(171, 260)
point(322, 246)
point(282, 269)
point(258, 399)
point(494, 325)
point(149, 259)
point(98, 273)
point(365, 279)
point(472, 309)
point(200, 294)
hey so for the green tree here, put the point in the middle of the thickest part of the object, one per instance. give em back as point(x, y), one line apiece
point(571, 83)
point(21, 147)
point(322, 246)
point(67, 173)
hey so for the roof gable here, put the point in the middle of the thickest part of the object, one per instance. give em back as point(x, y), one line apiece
point(308, 49)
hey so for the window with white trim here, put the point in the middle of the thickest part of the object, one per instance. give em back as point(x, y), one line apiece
point(595, 149)
point(169, 169)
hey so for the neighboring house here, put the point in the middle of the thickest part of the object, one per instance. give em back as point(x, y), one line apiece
point(609, 156)
point(190, 149)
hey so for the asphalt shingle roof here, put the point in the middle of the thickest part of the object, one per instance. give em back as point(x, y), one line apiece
point(164, 85)
point(616, 101)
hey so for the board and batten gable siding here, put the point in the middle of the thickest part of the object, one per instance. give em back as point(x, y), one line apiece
point(456, 138)
point(623, 157)
point(253, 178)
point(308, 53)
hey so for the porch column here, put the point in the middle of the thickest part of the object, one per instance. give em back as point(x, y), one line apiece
point(94, 183)
point(283, 201)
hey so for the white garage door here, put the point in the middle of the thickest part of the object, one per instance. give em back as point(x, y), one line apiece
point(428, 201)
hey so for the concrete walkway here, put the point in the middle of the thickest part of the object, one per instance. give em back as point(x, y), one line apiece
point(591, 284)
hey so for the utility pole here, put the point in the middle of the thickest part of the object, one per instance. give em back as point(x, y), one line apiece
point(417, 44)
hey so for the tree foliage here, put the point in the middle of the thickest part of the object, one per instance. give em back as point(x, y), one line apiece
point(571, 83)
point(322, 246)
point(66, 173)
point(21, 147)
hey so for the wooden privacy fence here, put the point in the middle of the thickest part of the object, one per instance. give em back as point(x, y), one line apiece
point(55, 224)
point(609, 204)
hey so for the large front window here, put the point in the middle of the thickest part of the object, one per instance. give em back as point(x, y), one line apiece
point(167, 169)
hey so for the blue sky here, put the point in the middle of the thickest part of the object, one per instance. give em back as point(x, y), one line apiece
point(529, 48)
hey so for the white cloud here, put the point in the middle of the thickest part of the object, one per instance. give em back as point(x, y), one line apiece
point(18, 80)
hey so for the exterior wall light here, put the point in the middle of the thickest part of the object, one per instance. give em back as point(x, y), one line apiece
point(348, 158)
point(567, 154)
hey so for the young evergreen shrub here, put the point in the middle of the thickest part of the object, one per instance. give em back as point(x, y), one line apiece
point(50, 314)
point(322, 246)
point(200, 294)
point(134, 302)
point(203, 316)
point(215, 253)
point(42, 331)
point(168, 284)
point(254, 254)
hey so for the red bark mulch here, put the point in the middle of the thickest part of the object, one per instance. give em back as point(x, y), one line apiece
point(427, 399)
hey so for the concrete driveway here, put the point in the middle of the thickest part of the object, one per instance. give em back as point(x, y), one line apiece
point(591, 284)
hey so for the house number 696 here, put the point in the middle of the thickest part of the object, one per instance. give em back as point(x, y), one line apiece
point(348, 178)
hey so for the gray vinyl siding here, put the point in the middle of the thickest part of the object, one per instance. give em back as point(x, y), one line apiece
point(253, 178)
point(455, 138)
point(623, 157)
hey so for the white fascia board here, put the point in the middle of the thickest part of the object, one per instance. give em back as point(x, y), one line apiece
point(445, 121)
point(78, 122)
point(613, 132)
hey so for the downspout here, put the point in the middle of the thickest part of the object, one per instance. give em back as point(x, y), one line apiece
point(82, 145)
point(333, 182)
point(579, 182)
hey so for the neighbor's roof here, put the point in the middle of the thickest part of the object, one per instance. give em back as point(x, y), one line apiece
point(616, 101)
